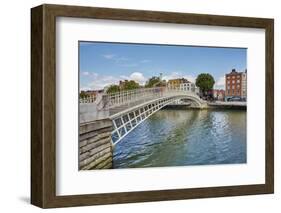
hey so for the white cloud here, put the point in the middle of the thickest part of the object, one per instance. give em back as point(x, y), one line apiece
point(145, 61)
point(190, 78)
point(172, 76)
point(85, 88)
point(89, 74)
point(175, 75)
point(138, 77)
point(85, 73)
point(108, 56)
point(135, 76)
point(100, 81)
point(220, 83)
point(123, 61)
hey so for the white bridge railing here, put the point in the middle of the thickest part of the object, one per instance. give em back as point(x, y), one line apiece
point(136, 106)
point(112, 100)
point(125, 122)
point(129, 96)
point(88, 99)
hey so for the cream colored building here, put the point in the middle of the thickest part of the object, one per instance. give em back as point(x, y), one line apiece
point(175, 83)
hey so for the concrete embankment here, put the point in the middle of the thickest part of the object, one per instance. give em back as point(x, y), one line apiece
point(227, 105)
point(210, 105)
point(95, 148)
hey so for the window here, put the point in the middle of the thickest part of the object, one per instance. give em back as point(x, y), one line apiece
point(233, 82)
point(238, 81)
point(233, 76)
point(238, 86)
point(232, 86)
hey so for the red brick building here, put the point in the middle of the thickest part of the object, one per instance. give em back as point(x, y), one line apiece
point(236, 84)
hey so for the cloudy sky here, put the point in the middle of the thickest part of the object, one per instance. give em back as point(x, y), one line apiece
point(103, 64)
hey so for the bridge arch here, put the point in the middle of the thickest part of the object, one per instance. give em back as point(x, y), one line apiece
point(126, 121)
point(127, 109)
point(197, 102)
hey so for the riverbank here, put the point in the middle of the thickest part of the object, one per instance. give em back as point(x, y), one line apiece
point(211, 105)
point(227, 105)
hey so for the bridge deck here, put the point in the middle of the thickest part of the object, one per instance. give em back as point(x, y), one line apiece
point(123, 107)
point(130, 108)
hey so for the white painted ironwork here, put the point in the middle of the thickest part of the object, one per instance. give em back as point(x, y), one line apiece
point(130, 108)
point(124, 122)
point(130, 96)
point(113, 100)
point(88, 99)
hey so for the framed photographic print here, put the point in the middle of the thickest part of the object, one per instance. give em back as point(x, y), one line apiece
point(136, 106)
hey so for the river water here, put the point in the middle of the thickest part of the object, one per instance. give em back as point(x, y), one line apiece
point(185, 137)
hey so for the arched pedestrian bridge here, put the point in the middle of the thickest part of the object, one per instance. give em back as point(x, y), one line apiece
point(128, 109)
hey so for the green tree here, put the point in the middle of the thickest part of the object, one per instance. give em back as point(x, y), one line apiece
point(205, 82)
point(83, 94)
point(112, 89)
point(154, 82)
point(129, 85)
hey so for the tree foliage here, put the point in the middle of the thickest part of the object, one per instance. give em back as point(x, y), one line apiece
point(83, 94)
point(154, 82)
point(205, 82)
point(112, 89)
point(129, 85)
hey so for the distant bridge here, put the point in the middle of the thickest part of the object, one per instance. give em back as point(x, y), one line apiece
point(128, 109)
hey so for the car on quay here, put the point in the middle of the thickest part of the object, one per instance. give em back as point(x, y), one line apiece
point(236, 98)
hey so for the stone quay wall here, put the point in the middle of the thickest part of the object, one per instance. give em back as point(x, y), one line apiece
point(95, 147)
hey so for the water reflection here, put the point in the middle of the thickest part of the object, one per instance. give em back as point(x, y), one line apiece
point(185, 137)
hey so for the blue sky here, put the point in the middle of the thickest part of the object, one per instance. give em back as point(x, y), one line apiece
point(102, 64)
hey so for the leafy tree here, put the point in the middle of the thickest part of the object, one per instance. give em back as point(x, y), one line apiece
point(129, 85)
point(112, 89)
point(83, 94)
point(205, 82)
point(154, 82)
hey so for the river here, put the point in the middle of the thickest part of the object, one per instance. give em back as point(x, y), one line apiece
point(185, 137)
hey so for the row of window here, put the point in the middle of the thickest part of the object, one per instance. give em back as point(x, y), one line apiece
point(233, 92)
point(233, 81)
point(237, 76)
point(233, 87)
point(237, 92)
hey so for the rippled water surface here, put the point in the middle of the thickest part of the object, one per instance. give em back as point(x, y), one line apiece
point(185, 137)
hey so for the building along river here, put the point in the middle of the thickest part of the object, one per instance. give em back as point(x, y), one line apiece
point(185, 137)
